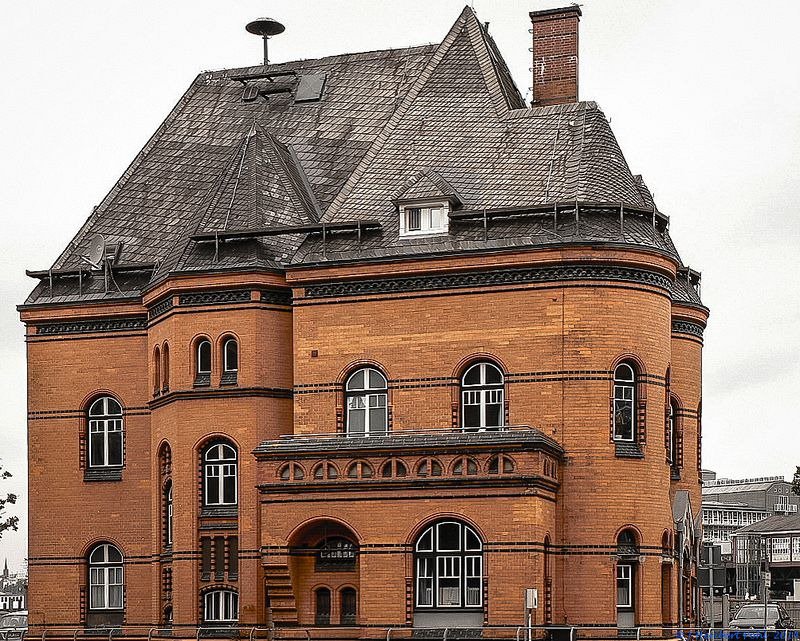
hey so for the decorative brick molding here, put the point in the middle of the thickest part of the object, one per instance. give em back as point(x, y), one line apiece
point(161, 307)
point(276, 297)
point(687, 327)
point(488, 279)
point(96, 325)
point(215, 297)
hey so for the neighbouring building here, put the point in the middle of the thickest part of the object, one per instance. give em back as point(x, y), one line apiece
point(774, 545)
point(366, 341)
point(13, 590)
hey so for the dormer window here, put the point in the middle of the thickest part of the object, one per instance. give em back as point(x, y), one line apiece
point(422, 219)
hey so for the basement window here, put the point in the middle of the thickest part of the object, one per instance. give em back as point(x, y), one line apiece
point(423, 219)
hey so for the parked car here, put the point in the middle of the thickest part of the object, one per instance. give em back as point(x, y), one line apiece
point(14, 625)
point(749, 623)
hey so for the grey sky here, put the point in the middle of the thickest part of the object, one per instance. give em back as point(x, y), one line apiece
point(704, 98)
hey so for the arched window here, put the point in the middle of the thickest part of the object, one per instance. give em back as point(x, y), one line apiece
point(292, 471)
point(221, 606)
point(359, 470)
point(105, 433)
point(230, 361)
point(627, 560)
point(624, 403)
point(673, 437)
point(220, 466)
point(394, 468)
point(349, 606)
point(203, 362)
point(449, 567)
point(156, 371)
point(105, 578)
point(165, 368)
point(482, 397)
point(322, 606)
point(429, 467)
point(366, 398)
point(500, 464)
point(464, 465)
point(325, 470)
point(168, 508)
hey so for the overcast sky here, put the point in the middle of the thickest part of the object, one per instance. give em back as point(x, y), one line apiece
point(704, 98)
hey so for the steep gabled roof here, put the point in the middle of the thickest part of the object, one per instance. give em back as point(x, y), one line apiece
point(427, 184)
point(448, 116)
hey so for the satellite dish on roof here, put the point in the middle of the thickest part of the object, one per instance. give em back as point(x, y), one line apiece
point(96, 252)
point(266, 28)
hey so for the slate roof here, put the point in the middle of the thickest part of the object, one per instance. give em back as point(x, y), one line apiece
point(774, 523)
point(448, 113)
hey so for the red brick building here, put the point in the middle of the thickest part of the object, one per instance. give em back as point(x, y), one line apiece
point(368, 342)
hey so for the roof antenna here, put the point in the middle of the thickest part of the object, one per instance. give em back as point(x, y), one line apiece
point(265, 27)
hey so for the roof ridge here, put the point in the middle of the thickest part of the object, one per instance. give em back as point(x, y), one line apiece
point(399, 113)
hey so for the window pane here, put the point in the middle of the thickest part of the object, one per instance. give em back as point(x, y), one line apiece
point(115, 596)
point(508, 465)
point(376, 380)
point(356, 416)
point(97, 448)
point(114, 555)
point(493, 375)
point(204, 358)
point(229, 490)
point(472, 540)
point(114, 408)
point(494, 414)
point(386, 470)
point(425, 543)
point(366, 471)
point(448, 537)
point(356, 381)
point(377, 420)
point(97, 597)
point(115, 448)
point(473, 375)
point(436, 468)
point(212, 485)
point(472, 416)
point(400, 469)
point(231, 356)
point(413, 219)
point(623, 420)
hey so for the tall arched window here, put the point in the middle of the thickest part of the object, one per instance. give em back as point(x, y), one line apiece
point(449, 567)
point(165, 368)
point(624, 403)
point(156, 370)
point(105, 433)
point(366, 397)
point(168, 510)
point(322, 606)
point(673, 437)
point(627, 561)
point(349, 606)
point(221, 606)
point(230, 361)
point(482, 397)
point(203, 362)
point(220, 465)
point(105, 578)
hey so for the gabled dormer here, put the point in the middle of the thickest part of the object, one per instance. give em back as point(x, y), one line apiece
point(424, 204)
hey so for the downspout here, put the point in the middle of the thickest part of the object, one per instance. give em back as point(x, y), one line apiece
point(680, 574)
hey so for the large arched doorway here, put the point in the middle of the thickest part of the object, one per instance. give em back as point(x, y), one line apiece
point(448, 576)
point(325, 572)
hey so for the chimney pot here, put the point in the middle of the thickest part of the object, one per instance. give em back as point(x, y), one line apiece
point(555, 55)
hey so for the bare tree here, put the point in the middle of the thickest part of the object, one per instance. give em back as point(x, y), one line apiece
point(7, 522)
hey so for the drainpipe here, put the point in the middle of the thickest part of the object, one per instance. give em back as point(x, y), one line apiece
point(680, 574)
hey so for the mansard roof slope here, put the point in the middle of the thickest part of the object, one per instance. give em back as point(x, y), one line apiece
point(449, 110)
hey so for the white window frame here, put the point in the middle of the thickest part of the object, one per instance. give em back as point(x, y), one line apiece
point(780, 549)
point(226, 366)
point(200, 371)
point(365, 399)
point(482, 395)
point(221, 606)
point(102, 426)
point(217, 470)
point(106, 579)
point(624, 575)
point(625, 392)
point(426, 208)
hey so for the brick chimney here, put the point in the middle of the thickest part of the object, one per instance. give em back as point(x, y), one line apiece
point(555, 55)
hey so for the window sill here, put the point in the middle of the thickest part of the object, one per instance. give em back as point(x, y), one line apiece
point(229, 378)
point(202, 380)
point(220, 511)
point(626, 449)
point(94, 474)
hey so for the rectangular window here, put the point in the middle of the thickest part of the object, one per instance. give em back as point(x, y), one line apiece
point(780, 550)
point(449, 580)
point(425, 582)
point(623, 412)
point(430, 219)
point(115, 588)
point(212, 484)
point(624, 586)
point(413, 219)
point(97, 593)
point(472, 576)
point(229, 484)
point(796, 548)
